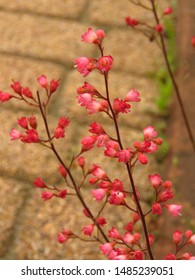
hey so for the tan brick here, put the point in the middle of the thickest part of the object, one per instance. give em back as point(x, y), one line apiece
point(109, 12)
point(67, 8)
point(54, 39)
point(12, 194)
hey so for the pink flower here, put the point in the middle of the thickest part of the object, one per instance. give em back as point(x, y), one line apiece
point(87, 230)
point(192, 239)
point(59, 133)
point(132, 22)
point(132, 96)
point(93, 37)
point(167, 184)
point(53, 86)
point(124, 155)
point(138, 255)
point(128, 238)
point(106, 248)
point(149, 133)
point(117, 185)
point(30, 137)
point(193, 41)
point(62, 194)
point(43, 81)
point(168, 11)
point(87, 88)
point(101, 221)
point(120, 106)
point(99, 194)
point(159, 28)
point(129, 227)
point(85, 65)
point(96, 128)
point(27, 92)
point(170, 257)
point(155, 180)
point(105, 63)
point(102, 140)
point(23, 122)
point(81, 161)
point(46, 195)
point(188, 233)
point(142, 158)
point(5, 96)
point(16, 86)
point(32, 121)
point(166, 195)
point(39, 183)
point(84, 99)
point(95, 106)
point(88, 142)
point(113, 233)
point(15, 134)
point(156, 209)
point(116, 197)
point(62, 238)
point(63, 122)
point(62, 171)
point(112, 148)
point(98, 172)
point(174, 209)
point(177, 237)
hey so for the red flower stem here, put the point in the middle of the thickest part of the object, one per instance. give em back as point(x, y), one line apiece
point(142, 217)
point(68, 171)
point(173, 79)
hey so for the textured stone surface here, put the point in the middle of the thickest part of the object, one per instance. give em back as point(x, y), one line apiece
point(44, 37)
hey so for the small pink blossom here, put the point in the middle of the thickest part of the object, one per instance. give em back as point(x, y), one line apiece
point(138, 255)
point(62, 171)
point(99, 194)
point(168, 11)
point(129, 227)
point(132, 22)
point(23, 122)
point(166, 195)
point(62, 194)
point(102, 140)
point(117, 185)
point(54, 84)
point(32, 121)
point(59, 133)
point(84, 99)
point(27, 92)
point(116, 197)
point(106, 248)
point(16, 86)
point(167, 184)
point(81, 161)
point(192, 239)
point(120, 106)
point(64, 235)
point(174, 209)
point(93, 37)
point(46, 195)
point(101, 221)
point(15, 134)
point(88, 142)
point(85, 65)
point(128, 238)
point(159, 28)
point(177, 237)
point(156, 209)
point(63, 122)
point(124, 155)
point(113, 233)
point(43, 81)
point(105, 63)
point(87, 230)
point(149, 133)
point(188, 233)
point(132, 96)
point(39, 183)
point(112, 148)
point(5, 96)
point(170, 257)
point(94, 107)
point(31, 136)
point(98, 172)
point(155, 180)
point(96, 128)
point(142, 158)
point(87, 88)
